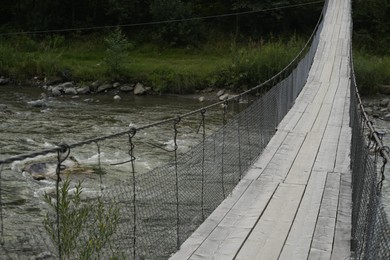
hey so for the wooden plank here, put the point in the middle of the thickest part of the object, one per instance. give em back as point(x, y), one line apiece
point(302, 166)
point(299, 239)
point(322, 243)
point(259, 166)
point(326, 156)
point(227, 238)
point(343, 236)
point(207, 227)
point(343, 161)
point(267, 238)
point(278, 167)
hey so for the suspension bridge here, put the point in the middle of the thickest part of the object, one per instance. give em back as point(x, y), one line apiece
point(287, 177)
point(295, 201)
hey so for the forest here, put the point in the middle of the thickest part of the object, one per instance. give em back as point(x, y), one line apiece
point(227, 27)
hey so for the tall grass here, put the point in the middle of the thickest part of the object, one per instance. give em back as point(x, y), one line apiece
point(371, 71)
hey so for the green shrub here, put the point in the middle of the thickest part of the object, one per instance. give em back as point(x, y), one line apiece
point(371, 71)
point(257, 62)
point(116, 53)
point(85, 227)
point(167, 80)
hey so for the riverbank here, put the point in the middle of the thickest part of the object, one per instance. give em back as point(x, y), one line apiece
point(180, 70)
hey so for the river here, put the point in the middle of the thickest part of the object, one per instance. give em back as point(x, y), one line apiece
point(25, 129)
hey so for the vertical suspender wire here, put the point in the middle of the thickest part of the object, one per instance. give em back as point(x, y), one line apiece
point(247, 130)
point(65, 149)
point(239, 146)
point(223, 149)
point(131, 134)
point(175, 123)
point(1, 207)
point(100, 168)
point(203, 112)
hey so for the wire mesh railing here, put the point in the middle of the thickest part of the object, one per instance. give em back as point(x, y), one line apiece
point(370, 223)
point(142, 215)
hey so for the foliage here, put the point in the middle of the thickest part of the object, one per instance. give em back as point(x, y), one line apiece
point(116, 52)
point(371, 71)
point(85, 228)
point(372, 25)
point(178, 33)
point(169, 81)
point(258, 62)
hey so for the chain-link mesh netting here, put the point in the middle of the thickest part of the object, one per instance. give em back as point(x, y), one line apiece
point(126, 214)
point(370, 224)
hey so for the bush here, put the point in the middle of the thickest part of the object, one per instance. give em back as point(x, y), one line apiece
point(167, 80)
point(371, 71)
point(85, 227)
point(116, 53)
point(257, 62)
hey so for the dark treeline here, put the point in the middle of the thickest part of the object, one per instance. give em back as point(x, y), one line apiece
point(371, 18)
point(37, 15)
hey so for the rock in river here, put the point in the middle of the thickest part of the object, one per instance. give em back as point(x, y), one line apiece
point(42, 170)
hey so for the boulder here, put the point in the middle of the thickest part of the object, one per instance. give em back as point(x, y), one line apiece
point(224, 97)
point(116, 85)
point(103, 88)
point(67, 85)
point(126, 88)
point(139, 89)
point(95, 85)
point(37, 103)
point(384, 89)
point(83, 90)
point(70, 91)
point(117, 97)
point(220, 93)
point(56, 91)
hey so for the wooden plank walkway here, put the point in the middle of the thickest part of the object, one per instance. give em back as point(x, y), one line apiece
point(295, 201)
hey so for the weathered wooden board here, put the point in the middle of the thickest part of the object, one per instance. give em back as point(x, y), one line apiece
point(207, 227)
point(230, 234)
point(322, 243)
point(267, 238)
point(299, 239)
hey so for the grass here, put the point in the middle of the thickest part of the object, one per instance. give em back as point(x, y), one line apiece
point(371, 71)
point(215, 63)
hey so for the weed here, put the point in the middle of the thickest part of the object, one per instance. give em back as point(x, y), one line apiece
point(84, 228)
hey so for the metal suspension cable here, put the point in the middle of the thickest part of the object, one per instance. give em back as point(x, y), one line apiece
point(161, 22)
point(62, 147)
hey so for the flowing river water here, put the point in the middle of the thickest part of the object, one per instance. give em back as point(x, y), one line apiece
point(25, 129)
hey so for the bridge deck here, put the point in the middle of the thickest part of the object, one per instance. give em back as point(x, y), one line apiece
point(295, 202)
